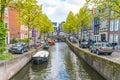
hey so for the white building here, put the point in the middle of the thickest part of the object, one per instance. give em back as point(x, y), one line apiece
point(6, 21)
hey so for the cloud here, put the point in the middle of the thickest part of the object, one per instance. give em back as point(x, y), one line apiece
point(57, 10)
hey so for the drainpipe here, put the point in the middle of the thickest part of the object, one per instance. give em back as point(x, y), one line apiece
point(109, 13)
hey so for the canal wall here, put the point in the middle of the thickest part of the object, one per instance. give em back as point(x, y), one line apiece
point(109, 69)
point(9, 68)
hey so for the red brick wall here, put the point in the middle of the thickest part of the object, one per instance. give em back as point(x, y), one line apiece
point(13, 23)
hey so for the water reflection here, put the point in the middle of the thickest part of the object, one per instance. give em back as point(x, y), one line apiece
point(63, 64)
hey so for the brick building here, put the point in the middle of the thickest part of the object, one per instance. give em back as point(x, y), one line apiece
point(114, 36)
point(14, 27)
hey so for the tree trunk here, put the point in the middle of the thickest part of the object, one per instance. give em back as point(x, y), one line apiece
point(44, 36)
point(81, 34)
point(28, 35)
point(2, 13)
point(40, 35)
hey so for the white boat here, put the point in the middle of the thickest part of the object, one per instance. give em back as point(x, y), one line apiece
point(40, 56)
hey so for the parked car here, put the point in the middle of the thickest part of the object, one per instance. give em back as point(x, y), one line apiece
point(72, 39)
point(84, 44)
point(19, 47)
point(101, 47)
point(42, 41)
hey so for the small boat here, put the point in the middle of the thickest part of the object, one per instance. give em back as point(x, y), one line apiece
point(41, 56)
point(46, 46)
point(51, 43)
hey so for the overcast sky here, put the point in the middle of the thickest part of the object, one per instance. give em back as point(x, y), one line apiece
point(57, 10)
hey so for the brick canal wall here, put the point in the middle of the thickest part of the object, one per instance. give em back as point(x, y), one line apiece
point(9, 68)
point(109, 69)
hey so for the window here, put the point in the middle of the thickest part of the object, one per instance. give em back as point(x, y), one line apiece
point(95, 44)
point(6, 12)
point(99, 44)
point(111, 25)
point(116, 24)
point(103, 23)
point(6, 25)
point(111, 38)
point(115, 37)
point(96, 29)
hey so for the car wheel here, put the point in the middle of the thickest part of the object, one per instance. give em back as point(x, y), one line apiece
point(22, 51)
point(97, 52)
point(91, 51)
point(27, 50)
point(109, 53)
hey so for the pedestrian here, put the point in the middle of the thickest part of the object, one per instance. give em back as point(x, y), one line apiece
point(79, 41)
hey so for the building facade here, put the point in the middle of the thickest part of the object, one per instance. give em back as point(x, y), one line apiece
point(23, 32)
point(106, 29)
point(114, 36)
point(14, 27)
point(55, 28)
point(6, 22)
point(103, 29)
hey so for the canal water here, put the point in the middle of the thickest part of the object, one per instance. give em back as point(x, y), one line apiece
point(63, 64)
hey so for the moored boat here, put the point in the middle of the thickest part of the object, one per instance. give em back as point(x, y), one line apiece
point(40, 56)
point(51, 43)
point(46, 46)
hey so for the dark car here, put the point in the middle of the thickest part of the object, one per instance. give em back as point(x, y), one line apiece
point(19, 47)
point(84, 44)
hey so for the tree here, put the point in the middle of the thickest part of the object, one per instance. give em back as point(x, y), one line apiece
point(3, 33)
point(3, 5)
point(69, 25)
point(3, 30)
point(28, 14)
point(112, 5)
point(45, 26)
point(83, 18)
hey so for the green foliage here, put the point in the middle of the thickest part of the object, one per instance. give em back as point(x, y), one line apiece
point(12, 41)
point(28, 13)
point(112, 5)
point(44, 25)
point(84, 17)
point(75, 22)
point(3, 33)
point(24, 40)
point(69, 25)
point(31, 16)
point(4, 4)
point(6, 56)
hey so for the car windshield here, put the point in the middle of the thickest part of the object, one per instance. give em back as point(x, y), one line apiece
point(107, 45)
point(18, 44)
point(84, 42)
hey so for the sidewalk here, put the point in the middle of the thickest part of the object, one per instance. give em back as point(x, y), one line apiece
point(117, 50)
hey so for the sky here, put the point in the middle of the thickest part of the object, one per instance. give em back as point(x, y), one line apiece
point(57, 10)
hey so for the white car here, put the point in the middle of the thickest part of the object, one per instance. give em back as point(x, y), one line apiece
point(42, 41)
point(102, 47)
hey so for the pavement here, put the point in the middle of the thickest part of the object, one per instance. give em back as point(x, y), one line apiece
point(115, 56)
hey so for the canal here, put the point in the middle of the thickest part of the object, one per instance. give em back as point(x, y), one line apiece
point(63, 64)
